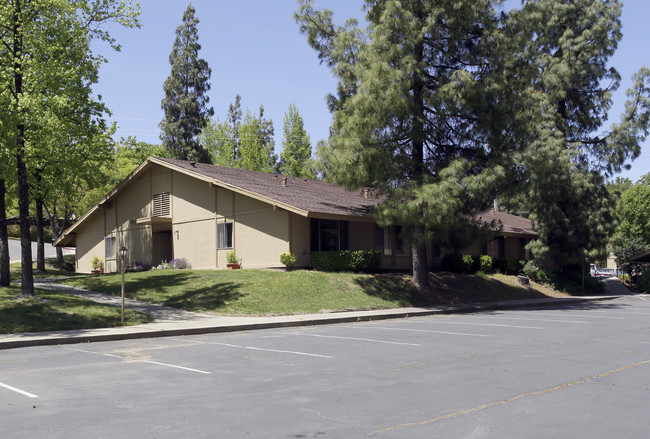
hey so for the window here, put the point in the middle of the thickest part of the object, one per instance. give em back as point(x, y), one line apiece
point(109, 246)
point(399, 241)
point(389, 241)
point(328, 235)
point(224, 235)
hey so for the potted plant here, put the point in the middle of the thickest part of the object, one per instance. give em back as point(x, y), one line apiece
point(97, 265)
point(233, 262)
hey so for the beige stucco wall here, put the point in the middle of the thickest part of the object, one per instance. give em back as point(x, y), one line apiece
point(90, 242)
point(193, 215)
point(261, 233)
point(300, 240)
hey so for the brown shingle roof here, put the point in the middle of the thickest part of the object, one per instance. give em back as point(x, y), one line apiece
point(312, 196)
point(507, 223)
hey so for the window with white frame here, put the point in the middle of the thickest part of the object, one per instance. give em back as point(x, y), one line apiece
point(109, 246)
point(224, 235)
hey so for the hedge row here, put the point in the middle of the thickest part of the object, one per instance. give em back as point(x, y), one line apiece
point(366, 261)
point(468, 264)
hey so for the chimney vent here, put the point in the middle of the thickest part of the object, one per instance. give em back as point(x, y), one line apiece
point(284, 181)
point(193, 164)
point(366, 192)
point(496, 204)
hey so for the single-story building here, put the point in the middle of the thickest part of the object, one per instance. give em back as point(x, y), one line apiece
point(169, 208)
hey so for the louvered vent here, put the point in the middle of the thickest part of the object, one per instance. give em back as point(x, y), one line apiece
point(161, 204)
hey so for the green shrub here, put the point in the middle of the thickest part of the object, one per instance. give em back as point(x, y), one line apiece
point(288, 260)
point(538, 275)
point(469, 264)
point(485, 263)
point(463, 264)
point(643, 281)
point(366, 261)
point(508, 265)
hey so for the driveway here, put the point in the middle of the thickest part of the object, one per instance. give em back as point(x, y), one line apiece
point(50, 251)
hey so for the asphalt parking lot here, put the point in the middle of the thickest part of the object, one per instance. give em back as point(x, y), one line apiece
point(574, 371)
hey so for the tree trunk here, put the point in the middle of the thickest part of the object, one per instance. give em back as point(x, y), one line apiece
point(40, 244)
point(27, 286)
point(418, 249)
point(420, 269)
point(5, 274)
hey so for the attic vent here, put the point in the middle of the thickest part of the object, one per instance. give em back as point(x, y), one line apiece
point(161, 204)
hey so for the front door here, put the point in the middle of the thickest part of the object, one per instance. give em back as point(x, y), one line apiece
point(164, 247)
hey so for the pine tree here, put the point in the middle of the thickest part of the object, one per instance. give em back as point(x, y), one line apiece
point(295, 159)
point(563, 88)
point(442, 105)
point(186, 101)
point(406, 115)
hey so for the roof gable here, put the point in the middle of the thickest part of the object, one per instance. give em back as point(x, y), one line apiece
point(308, 197)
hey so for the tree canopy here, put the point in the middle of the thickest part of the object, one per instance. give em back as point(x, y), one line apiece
point(243, 140)
point(186, 100)
point(295, 159)
point(443, 105)
point(47, 109)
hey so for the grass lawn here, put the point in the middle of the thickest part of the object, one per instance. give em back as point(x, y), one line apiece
point(267, 292)
point(50, 269)
point(51, 311)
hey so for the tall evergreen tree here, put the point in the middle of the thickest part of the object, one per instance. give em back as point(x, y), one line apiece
point(562, 77)
point(410, 90)
point(295, 159)
point(186, 101)
point(442, 105)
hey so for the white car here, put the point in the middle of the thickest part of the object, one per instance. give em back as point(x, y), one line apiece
point(606, 272)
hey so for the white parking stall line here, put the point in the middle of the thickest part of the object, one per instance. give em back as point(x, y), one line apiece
point(535, 320)
point(622, 312)
point(584, 316)
point(444, 322)
point(142, 361)
point(178, 367)
point(357, 339)
point(307, 354)
point(14, 389)
point(422, 330)
point(92, 352)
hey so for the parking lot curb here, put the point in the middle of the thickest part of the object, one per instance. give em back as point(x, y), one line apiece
point(225, 324)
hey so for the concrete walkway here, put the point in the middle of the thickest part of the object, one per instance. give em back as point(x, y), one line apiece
point(174, 322)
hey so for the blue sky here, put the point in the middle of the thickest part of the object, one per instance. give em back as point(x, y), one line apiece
point(255, 49)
